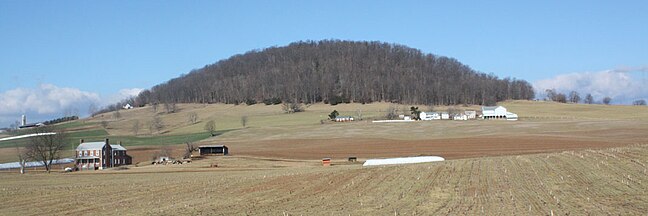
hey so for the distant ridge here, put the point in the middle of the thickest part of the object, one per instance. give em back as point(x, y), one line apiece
point(334, 71)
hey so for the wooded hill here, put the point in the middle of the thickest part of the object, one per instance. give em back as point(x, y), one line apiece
point(334, 71)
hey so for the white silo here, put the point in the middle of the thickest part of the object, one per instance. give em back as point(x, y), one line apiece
point(23, 121)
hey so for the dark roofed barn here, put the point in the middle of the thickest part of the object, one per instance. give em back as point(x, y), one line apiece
point(213, 150)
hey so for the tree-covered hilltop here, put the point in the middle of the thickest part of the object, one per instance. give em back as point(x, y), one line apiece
point(333, 71)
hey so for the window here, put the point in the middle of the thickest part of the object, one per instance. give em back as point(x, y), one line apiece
point(80, 153)
point(92, 153)
point(85, 153)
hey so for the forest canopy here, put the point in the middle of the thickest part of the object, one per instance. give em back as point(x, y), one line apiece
point(334, 71)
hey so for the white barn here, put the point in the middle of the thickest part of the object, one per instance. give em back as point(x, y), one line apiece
point(493, 112)
point(429, 116)
point(497, 112)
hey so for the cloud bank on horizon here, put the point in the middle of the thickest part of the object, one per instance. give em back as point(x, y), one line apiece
point(623, 85)
point(49, 101)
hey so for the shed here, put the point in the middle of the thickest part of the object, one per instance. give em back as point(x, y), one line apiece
point(326, 161)
point(213, 150)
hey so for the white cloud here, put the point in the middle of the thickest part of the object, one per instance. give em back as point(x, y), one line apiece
point(619, 84)
point(122, 94)
point(48, 101)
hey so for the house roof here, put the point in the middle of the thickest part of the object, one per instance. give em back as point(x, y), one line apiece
point(118, 147)
point(490, 107)
point(90, 146)
point(97, 146)
point(212, 146)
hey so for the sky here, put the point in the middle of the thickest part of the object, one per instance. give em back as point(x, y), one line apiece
point(58, 57)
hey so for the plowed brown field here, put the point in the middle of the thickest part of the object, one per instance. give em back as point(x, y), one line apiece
point(585, 182)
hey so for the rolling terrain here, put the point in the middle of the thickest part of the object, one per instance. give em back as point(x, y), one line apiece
point(543, 127)
point(557, 159)
point(595, 182)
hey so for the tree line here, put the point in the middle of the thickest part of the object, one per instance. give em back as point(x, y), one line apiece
point(334, 71)
point(574, 97)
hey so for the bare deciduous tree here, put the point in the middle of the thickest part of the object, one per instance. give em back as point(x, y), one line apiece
point(189, 149)
point(392, 112)
point(170, 107)
point(574, 97)
point(561, 98)
point(244, 121)
point(21, 159)
point(589, 99)
point(210, 127)
point(136, 127)
point(640, 102)
point(156, 124)
point(607, 100)
point(193, 117)
point(292, 107)
point(154, 107)
point(46, 148)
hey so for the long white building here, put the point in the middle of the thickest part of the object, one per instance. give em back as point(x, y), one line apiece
point(498, 112)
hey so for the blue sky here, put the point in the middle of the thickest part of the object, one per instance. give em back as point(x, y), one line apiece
point(103, 51)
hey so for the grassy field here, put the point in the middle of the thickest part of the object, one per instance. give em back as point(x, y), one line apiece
point(544, 127)
point(585, 182)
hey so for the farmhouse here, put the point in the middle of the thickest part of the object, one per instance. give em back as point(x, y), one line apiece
point(100, 155)
point(213, 150)
point(127, 106)
point(497, 112)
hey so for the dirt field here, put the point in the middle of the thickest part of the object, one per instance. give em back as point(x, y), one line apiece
point(596, 182)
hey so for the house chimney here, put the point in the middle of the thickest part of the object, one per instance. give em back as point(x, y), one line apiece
point(81, 141)
point(119, 142)
point(107, 143)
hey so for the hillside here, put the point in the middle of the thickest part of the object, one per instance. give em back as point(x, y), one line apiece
point(333, 71)
point(543, 127)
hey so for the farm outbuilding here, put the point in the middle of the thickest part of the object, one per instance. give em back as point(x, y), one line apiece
point(471, 114)
point(429, 116)
point(460, 117)
point(445, 116)
point(213, 150)
point(343, 118)
point(497, 112)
